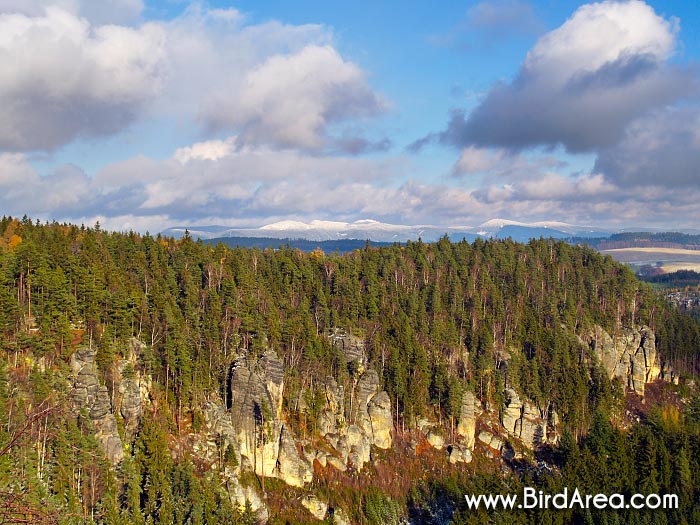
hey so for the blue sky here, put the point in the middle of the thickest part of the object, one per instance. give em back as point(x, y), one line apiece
point(145, 114)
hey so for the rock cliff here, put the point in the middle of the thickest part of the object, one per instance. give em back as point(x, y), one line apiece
point(256, 387)
point(90, 397)
point(466, 426)
point(629, 355)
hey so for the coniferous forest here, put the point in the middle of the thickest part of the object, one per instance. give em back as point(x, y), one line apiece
point(434, 321)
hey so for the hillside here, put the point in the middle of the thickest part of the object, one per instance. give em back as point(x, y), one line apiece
point(153, 380)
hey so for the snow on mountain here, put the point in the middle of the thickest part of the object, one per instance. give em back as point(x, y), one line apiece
point(373, 230)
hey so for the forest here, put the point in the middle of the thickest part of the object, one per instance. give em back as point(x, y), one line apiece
point(436, 320)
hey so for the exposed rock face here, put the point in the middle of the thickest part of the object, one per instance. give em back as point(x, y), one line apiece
point(352, 347)
point(630, 356)
point(369, 422)
point(131, 403)
point(459, 454)
point(88, 395)
point(316, 507)
point(435, 439)
point(466, 426)
point(433, 434)
point(533, 428)
point(379, 410)
point(240, 495)
point(133, 388)
point(372, 410)
point(255, 393)
point(512, 412)
point(340, 517)
point(291, 468)
point(366, 388)
point(523, 420)
point(492, 442)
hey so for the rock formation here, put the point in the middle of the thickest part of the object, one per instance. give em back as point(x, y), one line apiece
point(133, 388)
point(316, 507)
point(90, 397)
point(630, 356)
point(256, 388)
point(523, 420)
point(459, 454)
point(466, 426)
point(491, 441)
point(350, 346)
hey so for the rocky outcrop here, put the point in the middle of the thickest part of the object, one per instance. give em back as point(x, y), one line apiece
point(261, 437)
point(459, 454)
point(316, 507)
point(89, 397)
point(630, 356)
point(241, 496)
point(255, 397)
point(512, 411)
point(134, 386)
point(340, 517)
point(369, 421)
point(131, 406)
point(380, 417)
point(523, 420)
point(372, 409)
point(491, 441)
point(290, 467)
point(466, 426)
point(351, 347)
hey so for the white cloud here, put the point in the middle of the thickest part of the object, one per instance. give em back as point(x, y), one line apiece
point(97, 11)
point(659, 149)
point(22, 188)
point(289, 100)
point(209, 150)
point(583, 83)
point(63, 79)
point(477, 160)
point(600, 34)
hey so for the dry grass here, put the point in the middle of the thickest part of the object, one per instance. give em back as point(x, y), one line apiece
point(673, 251)
point(674, 267)
point(666, 256)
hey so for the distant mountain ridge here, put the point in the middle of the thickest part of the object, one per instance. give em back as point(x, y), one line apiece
point(372, 230)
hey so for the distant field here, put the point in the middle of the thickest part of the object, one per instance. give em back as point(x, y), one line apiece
point(674, 267)
point(671, 259)
point(672, 251)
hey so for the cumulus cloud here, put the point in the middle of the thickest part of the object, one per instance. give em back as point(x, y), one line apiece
point(23, 189)
point(289, 100)
point(503, 164)
point(659, 149)
point(63, 78)
point(111, 12)
point(209, 150)
point(582, 84)
point(477, 160)
point(226, 179)
point(66, 76)
point(222, 182)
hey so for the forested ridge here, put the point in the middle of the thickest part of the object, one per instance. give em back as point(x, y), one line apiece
point(436, 320)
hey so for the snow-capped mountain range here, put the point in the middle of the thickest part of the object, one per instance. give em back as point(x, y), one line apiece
point(368, 229)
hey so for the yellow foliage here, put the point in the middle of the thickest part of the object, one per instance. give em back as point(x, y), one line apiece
point(318, 253)
point(14, 241)
point(670, 417)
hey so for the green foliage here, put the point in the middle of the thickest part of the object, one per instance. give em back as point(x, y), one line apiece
point(436, 320)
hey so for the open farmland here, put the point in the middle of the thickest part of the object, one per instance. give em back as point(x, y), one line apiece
point(670, 259)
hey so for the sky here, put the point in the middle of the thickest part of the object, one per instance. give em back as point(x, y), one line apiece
point(149, 114)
